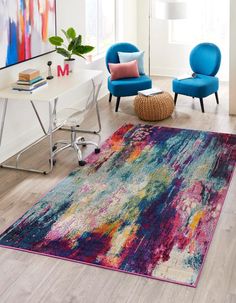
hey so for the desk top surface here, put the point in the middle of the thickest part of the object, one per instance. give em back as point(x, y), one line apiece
point(56, 87)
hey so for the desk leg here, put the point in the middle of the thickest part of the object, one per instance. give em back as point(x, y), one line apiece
point(3, 119)
point(50, 134)
point(54, 113)
point(97, 109)
point(38, 117)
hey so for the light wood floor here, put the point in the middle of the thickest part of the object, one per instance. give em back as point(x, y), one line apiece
point(27, 277)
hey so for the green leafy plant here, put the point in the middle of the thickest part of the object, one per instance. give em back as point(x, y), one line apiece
point(72, 45)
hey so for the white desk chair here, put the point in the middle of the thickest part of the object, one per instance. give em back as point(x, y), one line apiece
point(72, 118)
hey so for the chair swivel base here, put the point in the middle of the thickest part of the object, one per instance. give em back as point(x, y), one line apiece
point(75, 144)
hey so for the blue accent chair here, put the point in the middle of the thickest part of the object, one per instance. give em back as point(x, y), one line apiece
point(124, 87)
point(205, 61)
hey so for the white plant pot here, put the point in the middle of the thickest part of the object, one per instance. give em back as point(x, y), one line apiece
point(71, 64)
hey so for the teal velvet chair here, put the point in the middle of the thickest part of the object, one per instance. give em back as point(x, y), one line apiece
point(205, 60)
point(124, 87)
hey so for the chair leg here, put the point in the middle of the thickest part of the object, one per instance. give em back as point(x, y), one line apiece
point(217, 98)
point(117, 104)
point(110, 97)
point(202, 105)
point(175, 99)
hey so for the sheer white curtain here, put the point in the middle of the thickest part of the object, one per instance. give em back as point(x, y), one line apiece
point(100, 24)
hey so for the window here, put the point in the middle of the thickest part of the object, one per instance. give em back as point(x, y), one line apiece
point(100, 24)
point(207, 20)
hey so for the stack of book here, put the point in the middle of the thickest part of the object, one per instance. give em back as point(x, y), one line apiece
point(29, 80)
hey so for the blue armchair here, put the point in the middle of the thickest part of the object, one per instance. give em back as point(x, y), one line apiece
point(124, 87)
point(205, 61)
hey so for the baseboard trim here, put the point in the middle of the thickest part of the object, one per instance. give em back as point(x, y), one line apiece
point(167, 72)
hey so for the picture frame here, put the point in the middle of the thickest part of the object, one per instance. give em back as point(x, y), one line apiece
point(26, 26)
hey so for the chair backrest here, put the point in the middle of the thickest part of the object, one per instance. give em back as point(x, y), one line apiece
point(96, 85)
point(112, 52)
point(75, 114)
point(205, 59)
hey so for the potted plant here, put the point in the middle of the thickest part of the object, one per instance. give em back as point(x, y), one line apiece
point(72, 46)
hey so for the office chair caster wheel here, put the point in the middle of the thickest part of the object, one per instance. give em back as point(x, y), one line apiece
point(54, 148)
point(82, 163)
point(82, 140)
point(54, 161)
point(97, 150)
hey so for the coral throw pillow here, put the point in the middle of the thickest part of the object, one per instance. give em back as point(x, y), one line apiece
point(124, 70)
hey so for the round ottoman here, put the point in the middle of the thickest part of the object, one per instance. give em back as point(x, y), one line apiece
point(154, 108)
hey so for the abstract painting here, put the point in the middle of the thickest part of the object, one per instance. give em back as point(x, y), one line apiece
point(148, 204)
point(25, 27)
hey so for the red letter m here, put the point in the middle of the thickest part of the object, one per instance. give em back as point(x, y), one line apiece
point(63, 72)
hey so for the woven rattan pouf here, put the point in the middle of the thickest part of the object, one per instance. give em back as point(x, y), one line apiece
point(154, 108)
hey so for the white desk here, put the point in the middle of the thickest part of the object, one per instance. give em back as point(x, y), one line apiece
point(50, 95)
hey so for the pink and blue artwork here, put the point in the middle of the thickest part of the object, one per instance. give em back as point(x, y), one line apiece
point(25, 26)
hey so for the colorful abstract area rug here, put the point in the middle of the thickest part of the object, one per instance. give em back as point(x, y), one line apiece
point(148, 204)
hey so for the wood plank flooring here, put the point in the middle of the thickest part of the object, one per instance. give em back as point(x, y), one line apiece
point(31, 278)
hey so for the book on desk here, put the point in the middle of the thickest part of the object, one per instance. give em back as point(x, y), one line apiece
point(29, 81)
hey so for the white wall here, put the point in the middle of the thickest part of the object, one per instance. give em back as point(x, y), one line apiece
point(142, 27)
point(166, 59)
point(127, 21)
point(232, 100)
point(21, 127)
